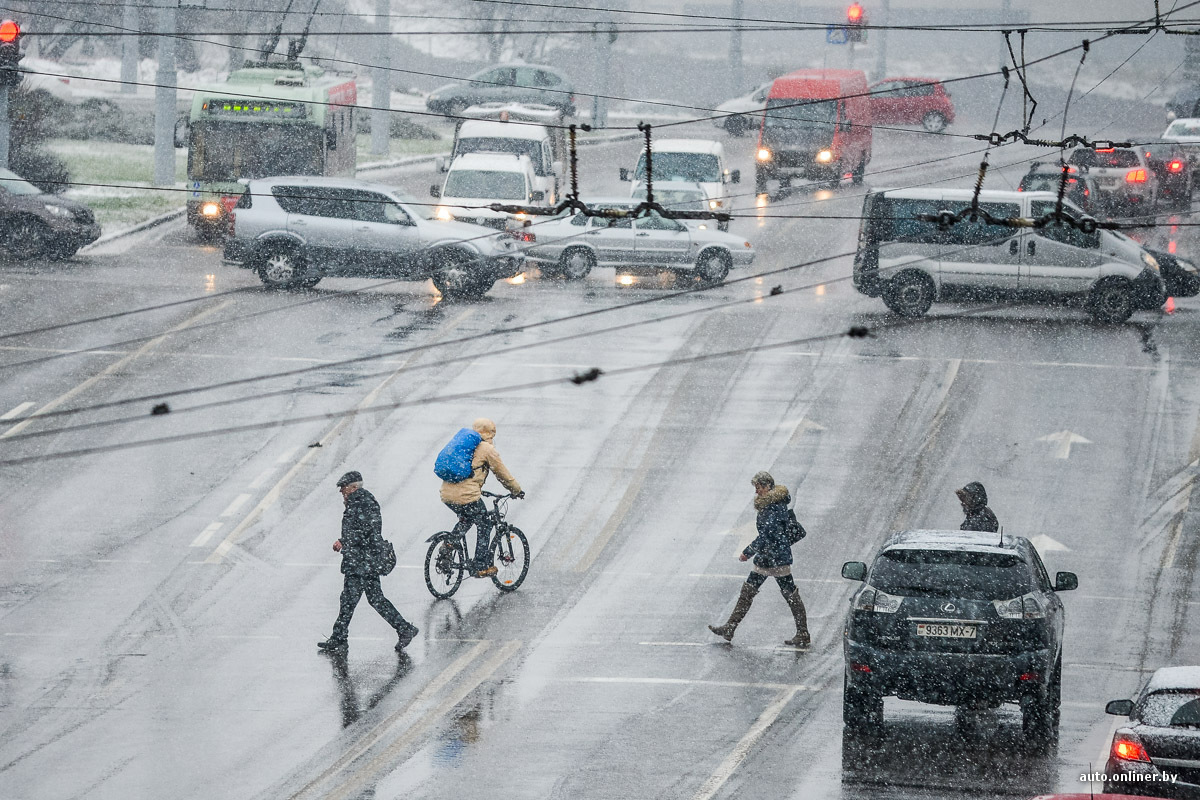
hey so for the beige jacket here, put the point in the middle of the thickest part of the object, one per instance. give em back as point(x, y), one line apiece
point(486, 460)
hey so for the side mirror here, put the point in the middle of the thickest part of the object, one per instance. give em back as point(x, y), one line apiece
point(1065, 581)
point(854, 571)
point(735, 176)
point(624, 173)
point(439, 164)
point(556, 167)
point(1119, 708)
point(537, 195)
point(435, 191)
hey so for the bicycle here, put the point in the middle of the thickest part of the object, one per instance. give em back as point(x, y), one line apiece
point(446, 561)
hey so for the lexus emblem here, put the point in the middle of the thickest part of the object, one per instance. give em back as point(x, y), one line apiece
point(949, 608)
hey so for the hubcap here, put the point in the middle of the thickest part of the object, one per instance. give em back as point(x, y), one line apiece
point(280, 267)
point(712, 267)
point(577, 264)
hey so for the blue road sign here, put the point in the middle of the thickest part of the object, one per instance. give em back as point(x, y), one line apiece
point(836, 34)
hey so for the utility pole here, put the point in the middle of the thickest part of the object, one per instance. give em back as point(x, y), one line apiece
point(885, 18)
point(605, 35)
point(164, 98)
point(381, 115)
point(735, 49)
point(130, 47)
point(5, 128)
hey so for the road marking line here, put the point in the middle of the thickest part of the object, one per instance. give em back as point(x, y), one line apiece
point(734, 760)
point(51, 635)
point(111, 368)
point(18, 411)
point(233, 507)
point(742, 576)
point(206, 534)
point(262, 478)
point(117, 561)
point(784, 648)
point(277, 490)
point(242, 636)
point(790, 687)
point(287, 455)
point(1103, 757)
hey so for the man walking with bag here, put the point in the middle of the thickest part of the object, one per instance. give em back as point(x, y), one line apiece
point(366, 555)
point(778, 530)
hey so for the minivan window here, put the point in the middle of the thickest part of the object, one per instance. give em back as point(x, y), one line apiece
point(485, 183)
point(1061, 233)
point(1112, 159)
point(785, 112)
point(498, 144)
point(688, 167)
point(959, 574)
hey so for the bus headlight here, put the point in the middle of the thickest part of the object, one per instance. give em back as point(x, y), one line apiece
point(824, 156)
point(764, 154)
point(210, 210)
point(444, 214)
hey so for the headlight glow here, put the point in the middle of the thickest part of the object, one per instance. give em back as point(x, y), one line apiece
point(1150, 261)
point(714, 203)
point(825, 156)
point(443, 213)
point(210, 210)
point(764, 154)
point(57, 211)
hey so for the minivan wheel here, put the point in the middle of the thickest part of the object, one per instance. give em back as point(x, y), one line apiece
point(934, 122)
point(712, 266)
point(909, 294)
point(576, 263)
point(862, 709)
point(280, 266)
point(1112, 303)
point(25, 238)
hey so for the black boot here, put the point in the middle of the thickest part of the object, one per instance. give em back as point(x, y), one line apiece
point(406, 637)
point(801, 639)
point(739, 613)
point(333, 645)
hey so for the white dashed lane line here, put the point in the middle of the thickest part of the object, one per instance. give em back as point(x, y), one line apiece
point(18, 411)
point(206, 534)
point(235, 506)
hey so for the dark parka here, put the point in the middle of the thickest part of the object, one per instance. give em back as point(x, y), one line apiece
point(772, 547)
point(362, 532)
point(979, 517)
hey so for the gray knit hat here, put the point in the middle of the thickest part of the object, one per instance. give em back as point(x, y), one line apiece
point(763, 479)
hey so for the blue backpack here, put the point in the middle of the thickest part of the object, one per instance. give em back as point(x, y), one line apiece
point(453, 464)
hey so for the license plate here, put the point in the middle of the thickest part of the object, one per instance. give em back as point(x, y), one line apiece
point(946, 631)
point(1108, 181)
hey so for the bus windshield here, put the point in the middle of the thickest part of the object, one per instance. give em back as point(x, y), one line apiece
point(227, 151)
point(799, 113)
point(690, 167)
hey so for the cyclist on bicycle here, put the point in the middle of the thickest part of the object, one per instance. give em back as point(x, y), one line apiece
point(465, 500)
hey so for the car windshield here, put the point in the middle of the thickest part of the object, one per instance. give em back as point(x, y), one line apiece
point(799, 113)
point(498, 144)
point(1104, 159)
point(490, 184)
point(682, 199)
point(693, 167)
point(13, 183)
point(1180, 709)
point(1184, 128)
point(414, 206)
point(959, 574)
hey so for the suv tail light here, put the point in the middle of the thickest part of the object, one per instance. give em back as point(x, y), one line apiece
point(1024, 607)
point(874, 600)
point(1126, 747)
point(1175, 166)
point(1135, 176)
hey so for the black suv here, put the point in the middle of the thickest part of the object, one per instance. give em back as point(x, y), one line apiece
point(955, 618)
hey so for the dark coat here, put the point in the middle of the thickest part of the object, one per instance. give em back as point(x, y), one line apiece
point(362, 533)
point(979, 517)
point(772, 547)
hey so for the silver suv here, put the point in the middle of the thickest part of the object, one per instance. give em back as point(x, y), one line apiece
point(1124, 178)
point(294, 231)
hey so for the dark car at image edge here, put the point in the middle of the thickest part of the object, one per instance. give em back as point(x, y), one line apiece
point(1158, 752)
point(955, 618)
point(34, 224)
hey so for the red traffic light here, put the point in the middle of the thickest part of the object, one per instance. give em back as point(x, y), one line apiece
point(9, 31)
point(854, 14)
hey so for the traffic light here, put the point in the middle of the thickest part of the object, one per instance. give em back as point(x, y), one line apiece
point(856, 22)
point(10, 53)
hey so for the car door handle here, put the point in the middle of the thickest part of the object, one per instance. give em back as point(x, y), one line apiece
point(299, 221)
point(1012, 247)
point(1031, 247)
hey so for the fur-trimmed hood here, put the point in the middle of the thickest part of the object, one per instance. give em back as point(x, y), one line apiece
point(776, 494)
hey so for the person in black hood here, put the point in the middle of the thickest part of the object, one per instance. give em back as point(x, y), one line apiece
point(974, 503)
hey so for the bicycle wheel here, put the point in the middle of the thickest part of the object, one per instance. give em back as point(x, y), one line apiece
point(510, 550)
point(444, 566)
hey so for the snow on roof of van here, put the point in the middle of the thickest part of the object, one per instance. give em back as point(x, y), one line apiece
point(492, 162)
point(987, 195)
point(494, 129)
point(708, 146)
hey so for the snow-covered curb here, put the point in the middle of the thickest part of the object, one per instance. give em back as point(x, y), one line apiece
point(153, 222)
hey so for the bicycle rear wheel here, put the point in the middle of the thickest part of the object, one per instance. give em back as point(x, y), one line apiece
point(510, 551)
point(445, 563)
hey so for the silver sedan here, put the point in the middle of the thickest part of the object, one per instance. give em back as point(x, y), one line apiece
point(573, 244)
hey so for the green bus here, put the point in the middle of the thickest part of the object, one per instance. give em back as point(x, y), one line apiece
point(265, 119)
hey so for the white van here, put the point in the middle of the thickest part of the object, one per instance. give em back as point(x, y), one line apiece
point(911, 263)
point(477, 180)
point(515, 138)
point(699, 161)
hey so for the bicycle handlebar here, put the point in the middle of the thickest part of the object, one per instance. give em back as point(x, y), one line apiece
point(508, 496)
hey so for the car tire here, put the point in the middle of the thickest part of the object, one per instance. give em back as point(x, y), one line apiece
point(1111, 302)
point(1040, 713)
point(712, 266)
point(576, 263)
point(934, 122)
point(280, 266)
point(25, 238)
point(862, 709)
point(736, 125)
point(909, 294)
point(453, 279)
point(61, 252)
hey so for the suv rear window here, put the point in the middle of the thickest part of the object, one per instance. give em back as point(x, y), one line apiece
point(1171, 709)
point(958, 574)
point(1113, 159)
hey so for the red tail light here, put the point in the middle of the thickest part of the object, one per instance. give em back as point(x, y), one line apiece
point(523, 235)
point(1135, 176)
point(1129, 749)
point(1105, 149)
point(1175, 166)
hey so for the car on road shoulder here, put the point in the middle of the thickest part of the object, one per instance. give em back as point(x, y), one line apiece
point(34, 224)
point(1125, 180)
point(294, 231)
point(911, 261)
point(912, 101)
point(959, 618)
point(574, 243)
point(478, 180)
point(1158, 752)
point(739, 115)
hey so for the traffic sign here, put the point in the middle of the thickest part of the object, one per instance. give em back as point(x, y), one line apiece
point(836, 34)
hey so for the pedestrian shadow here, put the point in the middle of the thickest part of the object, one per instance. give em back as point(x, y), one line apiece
point(352, 709)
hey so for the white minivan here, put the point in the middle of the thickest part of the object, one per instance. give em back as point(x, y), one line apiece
point(514, 138)
point(912, 263)
point(700, 161)
point(478, 180)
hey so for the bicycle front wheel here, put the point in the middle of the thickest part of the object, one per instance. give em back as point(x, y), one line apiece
point(510, 551)
point(445, 564)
